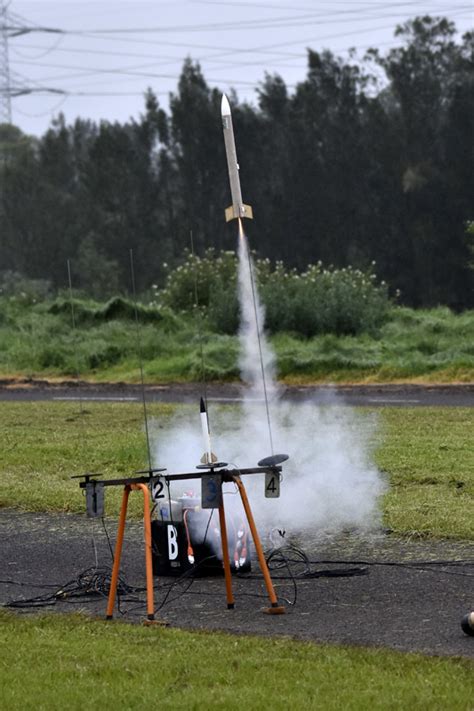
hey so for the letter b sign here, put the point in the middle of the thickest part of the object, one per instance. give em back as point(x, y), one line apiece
point(172, 543)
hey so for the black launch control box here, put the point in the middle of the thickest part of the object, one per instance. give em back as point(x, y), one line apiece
point(193, 545)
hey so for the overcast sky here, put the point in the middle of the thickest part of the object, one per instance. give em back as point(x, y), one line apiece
point(109, 52)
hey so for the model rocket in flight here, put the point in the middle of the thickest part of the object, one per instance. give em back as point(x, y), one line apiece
point(238, 209)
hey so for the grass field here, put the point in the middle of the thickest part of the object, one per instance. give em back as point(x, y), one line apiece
point(426, 453)
point(72, 662)
point(422, 346)
point(57, 661)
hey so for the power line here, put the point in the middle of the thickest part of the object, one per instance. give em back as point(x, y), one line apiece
point(47, 112)
point(125, 72)
point(359, 4)
point(225, 50)
point(217, 58)
point(250, 24)
point(255, 62)
point(135, 70)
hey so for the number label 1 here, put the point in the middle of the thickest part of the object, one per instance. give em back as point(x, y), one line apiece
point(272, 485)
point(157, 487)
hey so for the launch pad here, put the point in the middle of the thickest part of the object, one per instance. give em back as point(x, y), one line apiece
point(155, 479)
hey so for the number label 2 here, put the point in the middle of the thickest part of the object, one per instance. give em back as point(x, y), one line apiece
point(157, 487)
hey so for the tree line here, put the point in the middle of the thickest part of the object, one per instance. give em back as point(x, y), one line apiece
point(368, 159)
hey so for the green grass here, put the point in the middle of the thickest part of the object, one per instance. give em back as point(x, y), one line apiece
point(71, 662)
point(57, 662)
point(426, 452)
point(45, 444)
point(429, 457)
point(422, 346)
point(425, 346)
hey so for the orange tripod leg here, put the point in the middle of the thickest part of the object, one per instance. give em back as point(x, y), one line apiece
point(118, 553)
point(225, 559)
point(275, 608)
point(150, 607)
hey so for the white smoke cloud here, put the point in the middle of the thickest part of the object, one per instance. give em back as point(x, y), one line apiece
point(330, 482)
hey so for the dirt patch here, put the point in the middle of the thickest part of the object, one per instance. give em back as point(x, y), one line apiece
point(406, 608)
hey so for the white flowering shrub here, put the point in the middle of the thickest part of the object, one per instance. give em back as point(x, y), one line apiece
point(318, 300)
point(195, 281)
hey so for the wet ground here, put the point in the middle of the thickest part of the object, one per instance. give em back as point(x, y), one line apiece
point(415, 604)
point(380, 395)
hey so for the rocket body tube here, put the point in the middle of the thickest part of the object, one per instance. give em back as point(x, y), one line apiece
point(238, 209)
point(209, 457)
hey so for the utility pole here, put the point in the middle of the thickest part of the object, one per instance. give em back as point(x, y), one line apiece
point(5, 86)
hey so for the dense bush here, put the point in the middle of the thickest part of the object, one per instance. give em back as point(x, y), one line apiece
point(319, 300)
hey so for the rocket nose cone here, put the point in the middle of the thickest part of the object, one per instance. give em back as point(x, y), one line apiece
point(225, 106)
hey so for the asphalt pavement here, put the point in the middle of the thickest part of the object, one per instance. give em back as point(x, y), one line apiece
point(376, 395)
point(410, 596)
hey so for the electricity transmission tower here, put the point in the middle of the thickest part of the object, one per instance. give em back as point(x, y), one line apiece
point(5, 87)
point(13, 84)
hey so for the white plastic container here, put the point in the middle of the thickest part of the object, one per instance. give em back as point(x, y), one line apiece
point(165, 513)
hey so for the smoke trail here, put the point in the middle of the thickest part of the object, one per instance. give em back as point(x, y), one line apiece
point(257, 360)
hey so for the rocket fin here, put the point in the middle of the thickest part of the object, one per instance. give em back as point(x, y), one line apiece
point(205, 458)
point(231, 213)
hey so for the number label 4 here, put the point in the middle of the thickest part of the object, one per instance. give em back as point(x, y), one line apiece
point(272, 485)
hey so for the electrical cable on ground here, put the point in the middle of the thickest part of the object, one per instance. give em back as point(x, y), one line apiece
point(90, 582)
point(95, 581)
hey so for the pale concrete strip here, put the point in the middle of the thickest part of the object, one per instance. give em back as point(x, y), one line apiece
point(97, 398)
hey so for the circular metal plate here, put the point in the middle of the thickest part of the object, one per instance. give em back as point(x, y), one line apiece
point(214, 465)
point(273, 461)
